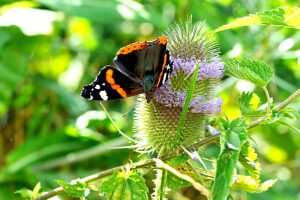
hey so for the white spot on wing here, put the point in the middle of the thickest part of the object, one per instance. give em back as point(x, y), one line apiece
point(103, 95)
point(91, 97)
point(164, 78)
point(97, 87)
point(103, 84)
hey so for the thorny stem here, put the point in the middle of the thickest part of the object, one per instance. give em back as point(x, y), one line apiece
point(150, 162)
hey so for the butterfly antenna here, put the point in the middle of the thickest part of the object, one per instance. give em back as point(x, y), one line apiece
point(132, 107)
point(116, 127)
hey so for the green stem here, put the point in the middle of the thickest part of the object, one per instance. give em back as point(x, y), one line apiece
point(268, 100)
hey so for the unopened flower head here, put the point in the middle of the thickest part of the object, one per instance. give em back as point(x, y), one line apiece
point(156, 123)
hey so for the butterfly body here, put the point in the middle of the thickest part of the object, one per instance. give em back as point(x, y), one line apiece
point(141, 67)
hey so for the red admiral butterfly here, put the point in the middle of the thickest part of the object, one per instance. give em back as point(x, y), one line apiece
point(142, 67)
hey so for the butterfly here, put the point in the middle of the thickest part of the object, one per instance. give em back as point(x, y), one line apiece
point(141, 67)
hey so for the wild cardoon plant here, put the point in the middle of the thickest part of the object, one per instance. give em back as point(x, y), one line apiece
point(156, 123)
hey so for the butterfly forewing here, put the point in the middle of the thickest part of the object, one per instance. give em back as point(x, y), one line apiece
point(111, 84)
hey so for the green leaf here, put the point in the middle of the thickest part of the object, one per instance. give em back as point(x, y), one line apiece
point(250, 184)
point(178, 160)
point(233, 136)
point(188, 100)
point(76, 189)
point(287, 16)
point(174, 182)
point(24, 193)
point(284, 113)
point(249, 104)
point(124, 186)
point(255, 71)
point(248, 158)
point(36, 190)
point(30, 194)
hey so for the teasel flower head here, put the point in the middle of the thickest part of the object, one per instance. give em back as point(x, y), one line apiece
point(156, 123)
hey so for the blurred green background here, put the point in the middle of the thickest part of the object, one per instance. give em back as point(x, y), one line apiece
point(50, 49)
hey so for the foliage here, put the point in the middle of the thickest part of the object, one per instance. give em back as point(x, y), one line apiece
point(125, 185)
point(254, 71)
point(232, 139)
point(48, 132)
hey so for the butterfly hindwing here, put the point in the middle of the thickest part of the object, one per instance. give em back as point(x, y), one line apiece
point(111, 84)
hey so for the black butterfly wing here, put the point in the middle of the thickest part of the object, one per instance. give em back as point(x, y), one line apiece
point(140, 58)
point(111, 84)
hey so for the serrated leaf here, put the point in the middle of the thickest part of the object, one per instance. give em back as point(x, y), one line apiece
point(248, 158)
point(249, 184)
point(124, 186)
point(234, 133)
point(287, 16)
point(249, 104)
point(76, 189)
point(282, 114)
point(255, 71)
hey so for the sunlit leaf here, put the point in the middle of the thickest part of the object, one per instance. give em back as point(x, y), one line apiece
point(124, 186)
point(250, 184)
point(36, 190)
point(255, 71)
point(286, 16)
point(248, 158)
point(249, 104)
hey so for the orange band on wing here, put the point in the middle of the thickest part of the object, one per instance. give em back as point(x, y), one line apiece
point(132, 47)
point(141, 45)
point(161, 73)
point(111, 81)
point(162, 40)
